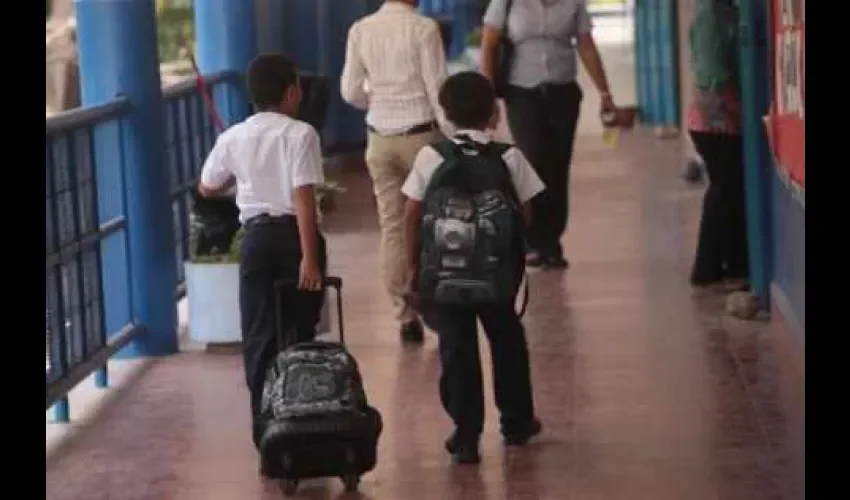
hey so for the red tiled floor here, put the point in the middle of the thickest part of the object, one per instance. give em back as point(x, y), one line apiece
point(646, 392)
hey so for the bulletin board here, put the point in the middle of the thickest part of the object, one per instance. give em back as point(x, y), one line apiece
point(786, 122)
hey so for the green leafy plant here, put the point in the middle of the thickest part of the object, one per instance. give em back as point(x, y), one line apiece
point(473, 39)
point(175, 26)
point(229, 257)
point(324, 199)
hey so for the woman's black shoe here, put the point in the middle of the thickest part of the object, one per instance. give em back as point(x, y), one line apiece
point(412, 332)
point(462, 453)
point(522, 438)
point(555, 262)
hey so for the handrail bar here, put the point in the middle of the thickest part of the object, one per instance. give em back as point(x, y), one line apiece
point(72, 119)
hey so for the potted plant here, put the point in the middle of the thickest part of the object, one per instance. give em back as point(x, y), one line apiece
point(212, 273)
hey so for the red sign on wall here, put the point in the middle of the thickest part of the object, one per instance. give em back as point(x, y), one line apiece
point(787, 121)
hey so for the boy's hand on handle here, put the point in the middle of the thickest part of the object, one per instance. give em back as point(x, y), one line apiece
point(608, 110)
point(309, 276)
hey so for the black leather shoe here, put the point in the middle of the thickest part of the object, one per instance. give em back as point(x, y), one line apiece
point(462, 453)
point(263, 470)
point(555, 262)
point(522, 438)
point(533, 260)
point(412, 333)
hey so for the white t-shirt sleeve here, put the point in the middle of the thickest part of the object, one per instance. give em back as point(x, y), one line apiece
point(307, 165)
point(584, 23)
point(526, 181)
point(424, 165)
point(496, 14)
point(216, 171)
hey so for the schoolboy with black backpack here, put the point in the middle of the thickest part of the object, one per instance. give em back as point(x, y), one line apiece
point(465, 219)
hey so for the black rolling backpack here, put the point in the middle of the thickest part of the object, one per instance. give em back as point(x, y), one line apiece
point(318, 421)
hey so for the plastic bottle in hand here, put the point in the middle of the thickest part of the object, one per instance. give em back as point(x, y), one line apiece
point(610, 128)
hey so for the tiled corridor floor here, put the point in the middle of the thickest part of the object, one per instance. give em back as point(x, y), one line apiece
point(646, 391)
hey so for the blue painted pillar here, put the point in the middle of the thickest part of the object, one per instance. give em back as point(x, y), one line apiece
point(116, 40)
point(226, 35)
point(301, 26)
point(426, 7)
point(669, 74)
point(755, 100)
point(344, 127)
point(270, 25)
point(465, 19)
point(657, 68)
point(641, 61)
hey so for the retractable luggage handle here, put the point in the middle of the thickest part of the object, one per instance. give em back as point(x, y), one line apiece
point(327, 282)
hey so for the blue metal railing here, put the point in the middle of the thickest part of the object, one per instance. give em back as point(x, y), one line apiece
point(189, 135)
point(77, 228)
point(89, 309)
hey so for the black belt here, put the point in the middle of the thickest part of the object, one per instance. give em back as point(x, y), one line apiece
point(546, 88)
point(264, 219)
point(414, 130)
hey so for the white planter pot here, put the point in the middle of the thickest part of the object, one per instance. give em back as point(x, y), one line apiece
point(213, 294)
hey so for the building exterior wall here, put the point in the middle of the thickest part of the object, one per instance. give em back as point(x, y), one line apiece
point(788, 212)
point(788, 291)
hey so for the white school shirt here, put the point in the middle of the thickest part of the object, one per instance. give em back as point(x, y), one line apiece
point(270, 155)
point(525, 179)
point(394, 66)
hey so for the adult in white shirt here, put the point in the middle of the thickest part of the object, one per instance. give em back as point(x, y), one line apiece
point(394, 65)
point(275, 163)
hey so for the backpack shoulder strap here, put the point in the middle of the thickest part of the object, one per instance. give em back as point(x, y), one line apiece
point(498, 150)
point(501, 147)
point(447, 148)
point(450, 152)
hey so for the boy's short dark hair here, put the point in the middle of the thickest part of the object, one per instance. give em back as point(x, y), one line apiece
point(269, 77)
point(468, 100)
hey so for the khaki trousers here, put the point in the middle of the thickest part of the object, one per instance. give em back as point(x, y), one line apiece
point(389, 160)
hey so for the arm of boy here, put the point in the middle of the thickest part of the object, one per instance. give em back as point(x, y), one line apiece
point(414, 189)
point(525, 179)
point(306, 174)
point(216, 176)
point(412, 218)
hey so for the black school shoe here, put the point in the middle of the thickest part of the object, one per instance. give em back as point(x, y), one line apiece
point(522, 438)
point(555, 262)
point(463, 453)
point(412, 332)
